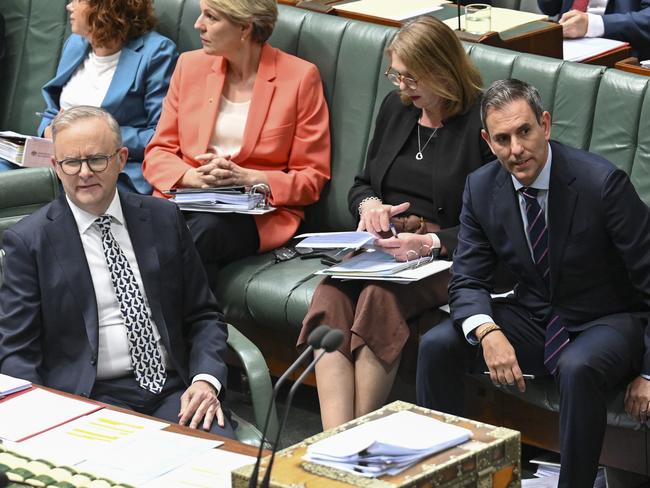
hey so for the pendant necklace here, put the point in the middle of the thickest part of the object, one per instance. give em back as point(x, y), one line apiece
point(418, 155)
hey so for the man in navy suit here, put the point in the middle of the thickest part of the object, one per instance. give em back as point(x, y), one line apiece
point(623, 20)
point(104, 294)
point(576, 237)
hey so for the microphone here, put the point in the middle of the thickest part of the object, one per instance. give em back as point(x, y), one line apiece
point(330, 342)
point(314, 342)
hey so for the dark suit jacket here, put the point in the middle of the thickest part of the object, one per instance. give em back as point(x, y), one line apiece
point(624, 20)
point(459, 150)
point(599, 243)
point(48, 314)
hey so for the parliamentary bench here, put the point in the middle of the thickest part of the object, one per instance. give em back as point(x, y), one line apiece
point(602, 110)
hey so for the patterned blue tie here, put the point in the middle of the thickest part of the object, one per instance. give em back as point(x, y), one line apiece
point(556, 336)
point(146, 359)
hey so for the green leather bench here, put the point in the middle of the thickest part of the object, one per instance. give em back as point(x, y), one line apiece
point(604, 111)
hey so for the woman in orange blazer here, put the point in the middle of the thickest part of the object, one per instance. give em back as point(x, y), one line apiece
point(240, 112)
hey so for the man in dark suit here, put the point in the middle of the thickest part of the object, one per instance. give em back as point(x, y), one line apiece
point(580, 305)
point(104, 294)
point(623, 20)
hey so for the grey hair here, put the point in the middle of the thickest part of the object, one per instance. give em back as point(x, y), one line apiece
point(69, 117)
point(503, 92)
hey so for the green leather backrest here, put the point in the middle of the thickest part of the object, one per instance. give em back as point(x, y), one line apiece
point(23, 192)
point(35, 31)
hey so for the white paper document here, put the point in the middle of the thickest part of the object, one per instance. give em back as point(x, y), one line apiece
point(391, 9)
point(38, 410)
point(9, 385)
point(146, 456)
point(387, 445)
point(588, 47)
point(335, 240)
point(88, 436)
point(209, 470)
point(26, 150)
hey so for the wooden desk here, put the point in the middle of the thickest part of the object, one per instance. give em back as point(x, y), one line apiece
point(610, 58)
point(631, 65)
point(538, 37)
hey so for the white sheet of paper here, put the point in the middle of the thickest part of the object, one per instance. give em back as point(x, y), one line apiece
point(210, 470)
point(391, 9)
point(145, 456)
point(87, 436)
point(9, 384)
point(588, 47)
point(38, 410)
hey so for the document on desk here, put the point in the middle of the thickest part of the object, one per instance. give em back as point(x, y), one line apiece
point(35, 411)
point(387, 445)
point(502, 19)
point(88, 436)
point(146, 456)
point(9, 385)
point(588, 47)
point(210, 470)
point(392, 9)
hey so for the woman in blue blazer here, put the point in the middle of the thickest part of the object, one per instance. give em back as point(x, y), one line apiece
point(103, 30)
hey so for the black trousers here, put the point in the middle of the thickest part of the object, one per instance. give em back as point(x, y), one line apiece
point(605, 355)
point(222, 238)
point(126, 393)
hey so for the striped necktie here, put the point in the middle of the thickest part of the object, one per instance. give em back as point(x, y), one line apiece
point(146, 359)
point(556, 336)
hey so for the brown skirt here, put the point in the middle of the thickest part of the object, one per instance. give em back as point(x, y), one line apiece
point(373, 313)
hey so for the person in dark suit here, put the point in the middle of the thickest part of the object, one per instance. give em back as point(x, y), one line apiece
point(623, 20)
point(580, 305)
point(427, 140)
point(104, 294)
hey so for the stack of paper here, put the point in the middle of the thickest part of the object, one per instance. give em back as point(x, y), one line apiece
point(26, 150)
point(9, 385)
point(548, 473)
point(378, 265)
point(388, 445)
point(218, 200)
point(589, 47)
point(335, 240)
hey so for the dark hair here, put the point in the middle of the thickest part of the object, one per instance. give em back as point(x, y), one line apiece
point(433, 53)
point(119, 20)
point(503, 92)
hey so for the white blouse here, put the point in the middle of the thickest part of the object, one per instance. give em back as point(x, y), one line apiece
point(89, 84)
point(228, 132)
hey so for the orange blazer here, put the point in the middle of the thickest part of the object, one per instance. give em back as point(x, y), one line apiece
point(286, 134)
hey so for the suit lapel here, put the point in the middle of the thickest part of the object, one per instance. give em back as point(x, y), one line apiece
point(125, 72)
point(562, 200)
point(260, 102)
point(213, 89)
point(507, 210)
point(63, 235)
point(67, 69)
point(143, 239)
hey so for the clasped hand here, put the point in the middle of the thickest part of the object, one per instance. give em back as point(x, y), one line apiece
point(220, 171)
point(501, 361)
point(574, 24)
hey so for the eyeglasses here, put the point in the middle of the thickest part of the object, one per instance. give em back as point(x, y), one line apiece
point(396, 78)
point(96, 163)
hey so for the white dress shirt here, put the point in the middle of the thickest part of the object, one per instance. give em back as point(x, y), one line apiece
point(89, 84)
point(114, 359)
point(541, 183)
point(595, 12)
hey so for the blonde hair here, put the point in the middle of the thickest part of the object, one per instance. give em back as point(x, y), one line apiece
point(261, 13)
point(436, 58)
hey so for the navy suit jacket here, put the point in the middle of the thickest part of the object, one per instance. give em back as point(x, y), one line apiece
point(48, 313)
point(624, 20)
point(599, 243)
point(134, 97)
